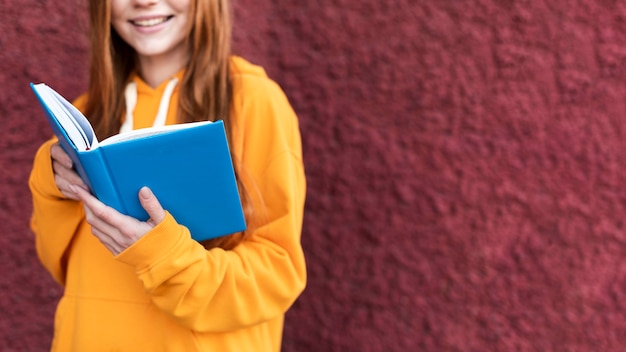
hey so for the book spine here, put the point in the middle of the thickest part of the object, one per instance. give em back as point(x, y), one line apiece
point(99, 179)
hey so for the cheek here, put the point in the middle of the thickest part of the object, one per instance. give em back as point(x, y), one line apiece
point(117, 10)
point(117, 27)
point(181, 6)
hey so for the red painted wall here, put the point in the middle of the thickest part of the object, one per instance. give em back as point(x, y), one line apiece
point(465, 163)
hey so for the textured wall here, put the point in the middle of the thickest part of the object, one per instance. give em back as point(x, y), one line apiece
point(36, 44)
point(465, 162)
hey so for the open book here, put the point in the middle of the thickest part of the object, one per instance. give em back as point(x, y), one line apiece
point(187, 166)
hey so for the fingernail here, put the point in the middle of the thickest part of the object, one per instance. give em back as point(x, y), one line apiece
point(145, 192)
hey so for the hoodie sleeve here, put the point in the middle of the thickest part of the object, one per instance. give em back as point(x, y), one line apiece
point(55, 219)
point(217, 290)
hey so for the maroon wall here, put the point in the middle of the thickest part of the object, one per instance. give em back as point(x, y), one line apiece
point(465, 163)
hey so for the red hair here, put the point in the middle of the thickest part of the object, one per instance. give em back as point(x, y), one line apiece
point(205, 90)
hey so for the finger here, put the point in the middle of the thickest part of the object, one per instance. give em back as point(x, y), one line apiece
point(115, 230)
point(57, 153)
point(63, 186)
point(97, 211)
point(122, 229)
point(68, 174)
point(108, 219)
point(104, 232)
point(64, 178)
point(151, 205)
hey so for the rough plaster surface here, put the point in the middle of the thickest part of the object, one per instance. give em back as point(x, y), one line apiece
point(465, 163)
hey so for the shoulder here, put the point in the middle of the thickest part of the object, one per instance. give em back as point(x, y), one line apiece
point(251, 81)
point(81, 102)
point(261, 112)
point(257, 99)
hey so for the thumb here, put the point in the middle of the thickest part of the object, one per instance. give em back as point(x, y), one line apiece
point(151, 205)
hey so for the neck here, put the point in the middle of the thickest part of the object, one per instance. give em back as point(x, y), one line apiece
point(155, 70)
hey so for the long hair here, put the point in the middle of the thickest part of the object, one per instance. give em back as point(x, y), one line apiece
point(205, 90)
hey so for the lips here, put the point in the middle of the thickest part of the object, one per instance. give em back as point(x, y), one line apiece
point(150, 21)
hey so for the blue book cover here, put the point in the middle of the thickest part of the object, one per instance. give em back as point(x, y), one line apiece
point(187, 166)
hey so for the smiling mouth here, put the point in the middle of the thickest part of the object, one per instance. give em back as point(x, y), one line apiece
point(149, 22)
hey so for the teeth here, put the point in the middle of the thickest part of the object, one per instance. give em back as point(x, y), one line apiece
point(150, 22)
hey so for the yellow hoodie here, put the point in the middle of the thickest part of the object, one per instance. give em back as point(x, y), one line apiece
point(166, 292)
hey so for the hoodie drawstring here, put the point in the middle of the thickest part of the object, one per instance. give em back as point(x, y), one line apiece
point(130, 93)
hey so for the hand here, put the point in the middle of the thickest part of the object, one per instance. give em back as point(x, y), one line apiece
point(115, 230)
point(64, 174)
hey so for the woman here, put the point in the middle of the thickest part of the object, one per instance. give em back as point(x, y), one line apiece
point(147, 286)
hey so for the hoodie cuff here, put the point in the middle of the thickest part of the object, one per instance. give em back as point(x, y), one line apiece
point(42, 175)
point(155, 245)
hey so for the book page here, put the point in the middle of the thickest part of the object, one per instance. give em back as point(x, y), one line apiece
point(73, 122)
point(149, 131)
point(81, 122)
point(65, 120)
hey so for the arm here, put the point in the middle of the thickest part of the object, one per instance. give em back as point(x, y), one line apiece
point(258, 280)
point(219, 290)
point(55, 216)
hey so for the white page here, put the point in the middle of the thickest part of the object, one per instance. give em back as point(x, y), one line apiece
point(65, 119)
point(148, 131)
point(81, 122)
point(73, 122)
